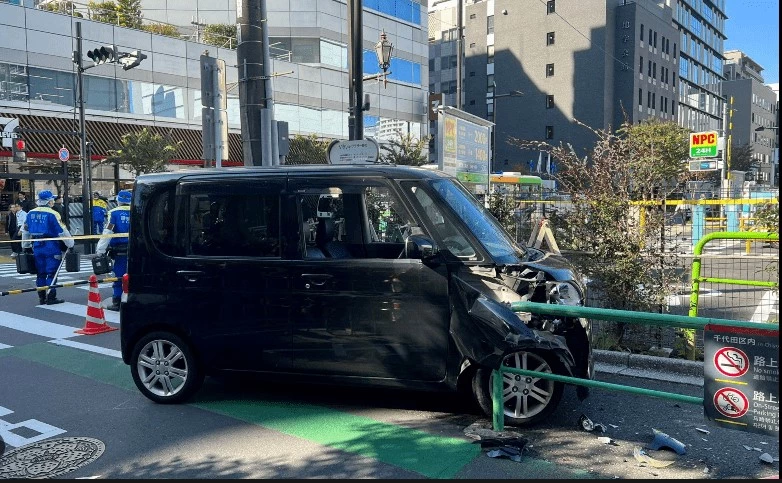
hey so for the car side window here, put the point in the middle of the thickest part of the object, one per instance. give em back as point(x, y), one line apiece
point(389, 221)
point(228, 222)
point(162, 223)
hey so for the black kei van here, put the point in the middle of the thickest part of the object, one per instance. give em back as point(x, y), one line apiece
point(371, 275)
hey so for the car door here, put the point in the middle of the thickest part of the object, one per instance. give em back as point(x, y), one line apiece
point(235, 276)
point(374, 313)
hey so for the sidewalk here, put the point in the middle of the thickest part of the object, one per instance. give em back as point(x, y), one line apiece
point(649, 367)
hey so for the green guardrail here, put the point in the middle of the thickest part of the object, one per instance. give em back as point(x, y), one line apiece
point(696, 263)
point(615, 315)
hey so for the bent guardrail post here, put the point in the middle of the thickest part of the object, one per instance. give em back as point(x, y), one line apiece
point(613, 315)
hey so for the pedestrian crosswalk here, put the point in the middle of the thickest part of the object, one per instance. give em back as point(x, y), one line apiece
point(24, 321)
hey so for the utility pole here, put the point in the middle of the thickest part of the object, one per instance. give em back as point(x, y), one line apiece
point(459, 52)
point(253, 95)
point(355, 70)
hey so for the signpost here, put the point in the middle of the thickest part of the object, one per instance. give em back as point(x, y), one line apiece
point(64, 154)
point(355, 151)
point(465, 148)
point(703, 144)
point(741, 378)
point(704, 165)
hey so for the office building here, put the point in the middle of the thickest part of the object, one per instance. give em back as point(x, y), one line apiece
point(754, 112)
point(37, 75)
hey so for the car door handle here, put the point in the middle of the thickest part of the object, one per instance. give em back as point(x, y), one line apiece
point(190, 275)
point(318, 279)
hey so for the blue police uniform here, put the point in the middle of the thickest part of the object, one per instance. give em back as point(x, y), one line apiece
point(119, 222)
point(44, 222)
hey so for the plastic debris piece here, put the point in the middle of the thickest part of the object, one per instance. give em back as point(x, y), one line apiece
point(703, 430)
point(613, 425)
point(705, 439)
point(748, 448)
point(766, 458)
point(758, 450)
point(763, 442)
point(607, 440)
point(505, 452)
point(662, 440)
point(643, 458)
point(588, 425)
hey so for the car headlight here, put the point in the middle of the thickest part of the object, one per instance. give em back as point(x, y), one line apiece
point(565, 293)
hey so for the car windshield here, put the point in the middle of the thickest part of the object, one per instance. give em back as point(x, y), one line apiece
point(480, 222)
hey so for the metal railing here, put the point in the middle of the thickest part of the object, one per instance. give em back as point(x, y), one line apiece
point(696, 264)
point(625, 316)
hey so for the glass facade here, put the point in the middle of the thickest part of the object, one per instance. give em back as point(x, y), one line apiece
point(406, 10)
point(701, 26)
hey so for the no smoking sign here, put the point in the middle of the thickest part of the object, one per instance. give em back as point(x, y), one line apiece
point(731, 362)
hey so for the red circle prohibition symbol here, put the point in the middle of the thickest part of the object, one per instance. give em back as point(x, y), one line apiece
point(731, 362)
point(731, 402)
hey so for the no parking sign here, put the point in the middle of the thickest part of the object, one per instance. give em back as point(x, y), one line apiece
point(64, 154)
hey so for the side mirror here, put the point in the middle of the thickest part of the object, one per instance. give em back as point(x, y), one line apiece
point(420, 247)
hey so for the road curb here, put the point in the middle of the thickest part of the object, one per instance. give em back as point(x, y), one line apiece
point(649, 367)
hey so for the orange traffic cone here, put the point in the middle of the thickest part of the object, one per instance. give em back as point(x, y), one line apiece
point(96, 320)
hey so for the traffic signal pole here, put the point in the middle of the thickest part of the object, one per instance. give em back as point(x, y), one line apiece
point(85, 161)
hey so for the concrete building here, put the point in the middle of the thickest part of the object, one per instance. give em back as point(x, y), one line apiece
point(754, 112)
point(37, 76)
point(701, 25)
point(594, 63)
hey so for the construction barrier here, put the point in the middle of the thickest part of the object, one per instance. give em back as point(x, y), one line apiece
point(614, 315)
point(56, 285)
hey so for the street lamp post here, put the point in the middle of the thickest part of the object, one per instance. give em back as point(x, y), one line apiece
point(101, 55)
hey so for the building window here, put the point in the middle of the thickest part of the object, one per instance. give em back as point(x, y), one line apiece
point(490, 54)
point(549, 70)
point(550, 7)
point(549, 132)
point(454, 61)
point(640, 97)
point(472, 73)
point(649, 68)
point(654, 70)
point(550, 38)
point(641, 66)
point(549, 101)
point(472, 102)
point(490, 24)
point(642, 32)
point(655, 40)
point(472, 16)
point(431, 65)
point(472, 45)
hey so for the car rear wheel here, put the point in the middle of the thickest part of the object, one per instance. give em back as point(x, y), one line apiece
point(164, 368)
point(527, 400)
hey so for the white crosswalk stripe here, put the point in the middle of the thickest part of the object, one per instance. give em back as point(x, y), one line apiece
point(36, 326)
point(79, 309)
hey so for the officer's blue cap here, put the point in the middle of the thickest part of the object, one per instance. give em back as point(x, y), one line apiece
point(45, 195)
point(123, 196)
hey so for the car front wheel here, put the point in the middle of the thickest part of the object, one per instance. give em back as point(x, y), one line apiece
point(164, 368)
point(526, 400)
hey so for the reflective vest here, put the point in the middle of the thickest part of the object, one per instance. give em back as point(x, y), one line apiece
point(120, 218)
point(44, 222)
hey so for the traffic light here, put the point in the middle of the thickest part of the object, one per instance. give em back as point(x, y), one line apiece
point(102, 55)
point(132, 59)
point(19, 149)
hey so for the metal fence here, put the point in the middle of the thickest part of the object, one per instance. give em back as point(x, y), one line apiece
point(683, 223)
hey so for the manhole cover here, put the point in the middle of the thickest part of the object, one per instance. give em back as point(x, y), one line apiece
point(50, 458)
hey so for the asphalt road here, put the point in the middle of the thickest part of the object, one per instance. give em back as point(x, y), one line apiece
point(55, 384)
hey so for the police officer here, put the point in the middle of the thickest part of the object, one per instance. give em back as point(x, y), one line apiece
point(44, 222)
point(119, 222)
point(99, 207)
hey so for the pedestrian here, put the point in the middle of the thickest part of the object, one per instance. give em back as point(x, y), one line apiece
point(99, 208)
point(44, 222)
point(119, 222)
point(26, 204)
point(10, 221)
point(21, 217)
point(58, 206)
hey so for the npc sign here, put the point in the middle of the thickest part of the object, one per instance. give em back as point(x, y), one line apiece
point(741, 386)
point(703, 144)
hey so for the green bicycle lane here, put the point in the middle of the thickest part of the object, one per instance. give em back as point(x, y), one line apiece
point(413, 450)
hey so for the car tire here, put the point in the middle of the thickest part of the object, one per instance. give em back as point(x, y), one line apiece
point(165, 369)
point(542, 396)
